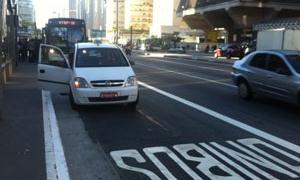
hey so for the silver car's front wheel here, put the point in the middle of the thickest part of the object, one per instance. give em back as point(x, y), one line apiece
point(244, 90)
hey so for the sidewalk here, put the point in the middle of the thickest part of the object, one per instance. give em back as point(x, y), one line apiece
point(21, 127)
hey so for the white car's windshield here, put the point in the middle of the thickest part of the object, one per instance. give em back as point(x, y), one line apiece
point(100, 57)
point(295, 62)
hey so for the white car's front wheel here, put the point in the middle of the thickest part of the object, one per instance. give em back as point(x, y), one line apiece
point(133, 105)
point(73, 104)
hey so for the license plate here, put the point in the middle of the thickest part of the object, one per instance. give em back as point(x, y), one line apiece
point(109, 94)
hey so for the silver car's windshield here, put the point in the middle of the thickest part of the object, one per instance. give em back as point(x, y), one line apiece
point(294, 60)
point(100, 57)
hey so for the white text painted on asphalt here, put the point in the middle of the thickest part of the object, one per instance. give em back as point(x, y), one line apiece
point(233, 159)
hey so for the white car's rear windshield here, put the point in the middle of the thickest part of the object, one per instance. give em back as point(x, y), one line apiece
point(100, 57)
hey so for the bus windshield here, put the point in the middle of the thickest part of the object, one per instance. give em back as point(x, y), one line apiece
point(66, 37)
point(65, 33)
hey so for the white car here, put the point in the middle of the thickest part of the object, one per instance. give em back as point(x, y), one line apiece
point(96, 74)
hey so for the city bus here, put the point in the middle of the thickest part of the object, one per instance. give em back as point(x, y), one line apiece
point(64, 33)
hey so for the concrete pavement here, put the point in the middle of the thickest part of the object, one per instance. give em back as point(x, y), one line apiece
point(21, 127)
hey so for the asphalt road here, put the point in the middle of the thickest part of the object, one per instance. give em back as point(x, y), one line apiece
point(189, 124)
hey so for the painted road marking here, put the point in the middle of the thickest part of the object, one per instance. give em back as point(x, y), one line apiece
point(224, 118)
point(150, 152)
point(151, 119)
point(56, 165)
point(191, 76)
point(224, 167)
point(118, 157)
point(237, 157)
point(194, 66)
point(206, 162)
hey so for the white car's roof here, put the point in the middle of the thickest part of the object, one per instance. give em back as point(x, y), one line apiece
point(94, 45)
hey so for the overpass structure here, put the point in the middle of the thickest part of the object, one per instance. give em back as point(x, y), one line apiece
point(237, 17)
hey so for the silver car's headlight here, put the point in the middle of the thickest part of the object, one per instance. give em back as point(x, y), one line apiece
point(131, 81)
point(81, 83)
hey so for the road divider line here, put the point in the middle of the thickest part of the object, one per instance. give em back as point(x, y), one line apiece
point(224, 118)
point(188, 75)
point(194, 66)
point(149, 118)
point(56, 165)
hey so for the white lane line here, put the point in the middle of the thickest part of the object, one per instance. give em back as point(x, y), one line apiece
point(224, 118)
point(56, 165)
point(194, 66)
point(188, 75)
point(149, 118)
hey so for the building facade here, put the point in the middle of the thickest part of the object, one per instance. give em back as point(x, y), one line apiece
point(73, 8)
point(3, 7)
point(140, 14)
point(135, 15)
point(166, 21)
point(26, 11)
point(26, 18)
point(237, 17)
point(93, 12)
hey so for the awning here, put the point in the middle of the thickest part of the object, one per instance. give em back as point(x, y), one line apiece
point(287, 23)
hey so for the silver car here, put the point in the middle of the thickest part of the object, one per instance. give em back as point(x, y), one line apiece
point(271, 73)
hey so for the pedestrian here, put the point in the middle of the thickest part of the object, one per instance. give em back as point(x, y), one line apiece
point(128, 50)
point(214, 47)
point(24, 50)
point(206, 49)
point(31, 48)
point(36, 50)
point(3, 51)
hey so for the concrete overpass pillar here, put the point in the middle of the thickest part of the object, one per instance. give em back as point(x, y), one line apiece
point(234, 35)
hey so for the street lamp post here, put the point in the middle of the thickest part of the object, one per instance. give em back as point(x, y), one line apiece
point(117, 21)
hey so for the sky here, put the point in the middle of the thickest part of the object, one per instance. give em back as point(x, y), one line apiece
point(46, 9)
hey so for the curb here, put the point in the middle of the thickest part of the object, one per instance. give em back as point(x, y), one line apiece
point(199, 59)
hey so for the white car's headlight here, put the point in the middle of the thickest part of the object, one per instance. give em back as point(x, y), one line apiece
point(131, 81)
point(81, 83)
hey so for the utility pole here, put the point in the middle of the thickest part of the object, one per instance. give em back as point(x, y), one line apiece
point(131, 33)
point(117, 21)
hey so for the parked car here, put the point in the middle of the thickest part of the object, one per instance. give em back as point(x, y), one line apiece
point(179, 50)
point(272, 73)
point(228, 51)
point(98, 74)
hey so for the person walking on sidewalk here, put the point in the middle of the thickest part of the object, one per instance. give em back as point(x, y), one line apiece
point(24, 50)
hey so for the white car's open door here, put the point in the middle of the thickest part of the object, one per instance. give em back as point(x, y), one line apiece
point(53, 69)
